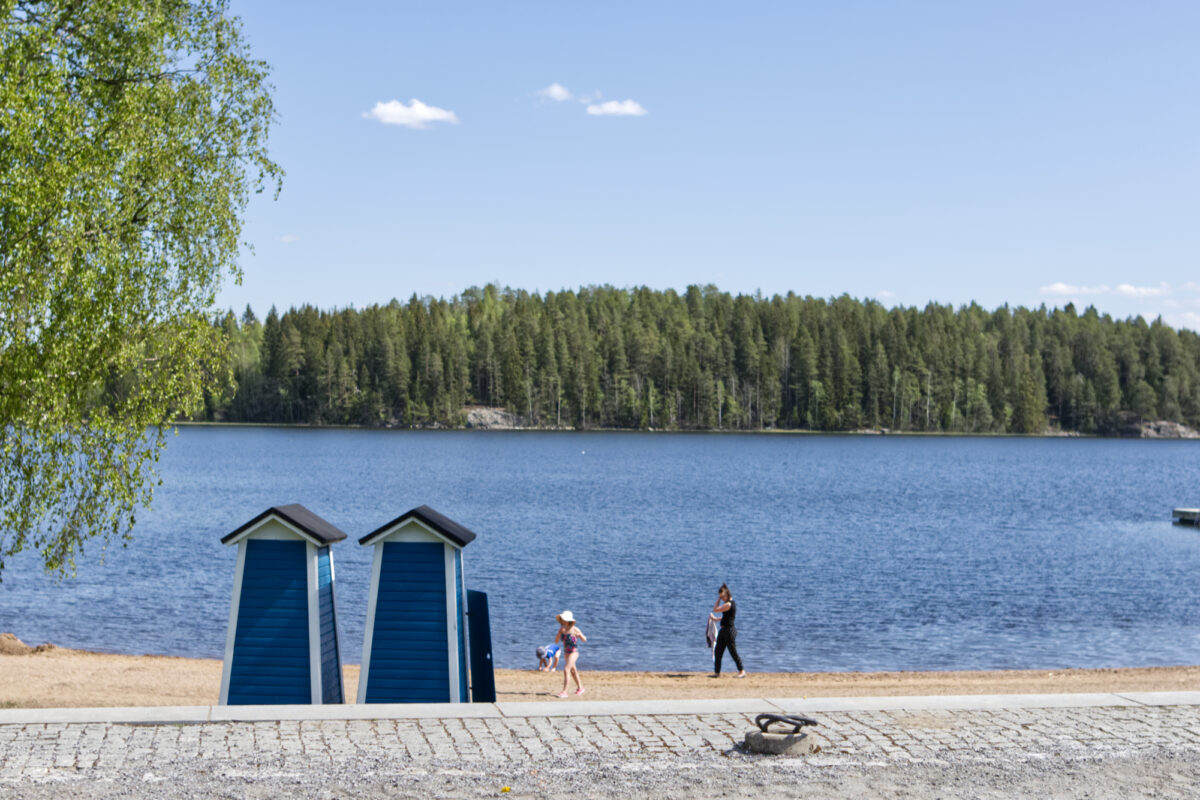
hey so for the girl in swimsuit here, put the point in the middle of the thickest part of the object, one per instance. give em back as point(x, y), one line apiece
point(570, 636)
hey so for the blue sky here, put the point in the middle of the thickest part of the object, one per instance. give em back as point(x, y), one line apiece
point(1020, 152)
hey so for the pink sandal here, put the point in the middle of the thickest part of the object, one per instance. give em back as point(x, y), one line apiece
point(577, 691)
point(561, 694)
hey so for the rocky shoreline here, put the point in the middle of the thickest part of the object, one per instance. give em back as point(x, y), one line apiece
point(493, 418)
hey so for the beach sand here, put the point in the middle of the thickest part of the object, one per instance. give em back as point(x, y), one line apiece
point(48, 676)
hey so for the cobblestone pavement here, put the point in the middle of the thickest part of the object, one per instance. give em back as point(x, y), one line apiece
point(469, 757)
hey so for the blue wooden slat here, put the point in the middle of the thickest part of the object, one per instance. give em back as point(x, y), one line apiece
point(422, 652)
point(420, 670)
point(422, 696)
point(260, 696)
point(252, 675)
point(278, 610)
point(415, 599)
point(400, 586)
point(274, 692)
point(250, 662)
point(419, 601)
point(271, 644)
point(250, 641)
point(255, 590)
point(264, 693)
point(277, 573)
point(412, 638)
point(284, 655)
point(275, 629)
point(278, 669)
point(255, 677)
point(401, 669)
point(401, 686)
point(416, 621)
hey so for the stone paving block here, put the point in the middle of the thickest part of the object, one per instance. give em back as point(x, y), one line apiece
point(861, 737)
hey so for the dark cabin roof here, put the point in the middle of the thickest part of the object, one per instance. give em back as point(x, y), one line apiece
point(440, 523)
point(320, 530)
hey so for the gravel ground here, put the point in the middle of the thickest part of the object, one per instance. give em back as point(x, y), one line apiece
point(1162, 774)
point(1095, 752)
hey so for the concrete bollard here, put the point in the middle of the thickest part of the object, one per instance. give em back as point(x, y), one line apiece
point(782, 744)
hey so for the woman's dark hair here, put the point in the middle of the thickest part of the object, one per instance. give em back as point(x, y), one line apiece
point(724, 591)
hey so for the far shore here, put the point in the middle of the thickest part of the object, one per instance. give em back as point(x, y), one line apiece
point(483, 418)
point(720, 431)
point(53, 677)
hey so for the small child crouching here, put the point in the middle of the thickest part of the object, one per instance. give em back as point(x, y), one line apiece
point(548, 657)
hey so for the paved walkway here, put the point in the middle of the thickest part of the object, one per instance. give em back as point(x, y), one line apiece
point(305, 750)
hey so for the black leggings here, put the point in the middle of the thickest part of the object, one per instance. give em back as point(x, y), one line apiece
point(726, 639)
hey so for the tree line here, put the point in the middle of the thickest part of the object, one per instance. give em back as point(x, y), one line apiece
point(603, 357)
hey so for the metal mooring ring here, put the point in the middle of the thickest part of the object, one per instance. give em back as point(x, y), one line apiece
point(764, 721)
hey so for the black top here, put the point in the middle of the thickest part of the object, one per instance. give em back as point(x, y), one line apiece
point(439, 522)
point(302, 518)
point(728, 616)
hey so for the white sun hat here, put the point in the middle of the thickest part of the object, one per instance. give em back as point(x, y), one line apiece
point(566, 616)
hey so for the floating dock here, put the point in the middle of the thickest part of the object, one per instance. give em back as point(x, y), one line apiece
point(1186, 516)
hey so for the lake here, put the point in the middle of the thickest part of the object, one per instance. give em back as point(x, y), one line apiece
point(843, 552)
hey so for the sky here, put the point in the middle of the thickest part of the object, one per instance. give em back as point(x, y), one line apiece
point(1010, 152)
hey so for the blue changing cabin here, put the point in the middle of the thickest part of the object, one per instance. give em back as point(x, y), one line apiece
point(415, 646)
point(282, 644)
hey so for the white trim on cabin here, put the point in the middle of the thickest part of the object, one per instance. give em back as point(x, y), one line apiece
point(391, 534)
point(452, 623)
point(231, 633)
point(369, 633)
point(415, 535)
point(314, 626)
point(254, 529)
point(341, 675)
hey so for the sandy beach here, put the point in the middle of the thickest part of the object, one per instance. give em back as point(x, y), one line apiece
point(47, 676)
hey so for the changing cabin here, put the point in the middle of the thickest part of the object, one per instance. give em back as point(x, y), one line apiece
point(282, 644)
point(415, 645)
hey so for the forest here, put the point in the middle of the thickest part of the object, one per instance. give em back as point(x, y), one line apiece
point(604, 357)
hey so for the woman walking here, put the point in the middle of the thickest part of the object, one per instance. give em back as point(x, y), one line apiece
point(570, 636)
point(727, 636)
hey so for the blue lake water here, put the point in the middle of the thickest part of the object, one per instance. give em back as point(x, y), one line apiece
point(843, 552)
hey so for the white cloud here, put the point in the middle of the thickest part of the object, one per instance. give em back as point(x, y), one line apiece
point(1061, 289)
point(617, 108)
point(884, 294)
point(288, 238)
point(556, 92)
point(1064, 289)
point(1188, 319)
point(1191, 286)
point(1128, 290)
point(414, 115)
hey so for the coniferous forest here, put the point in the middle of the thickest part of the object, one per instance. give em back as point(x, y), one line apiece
point(602, 357)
